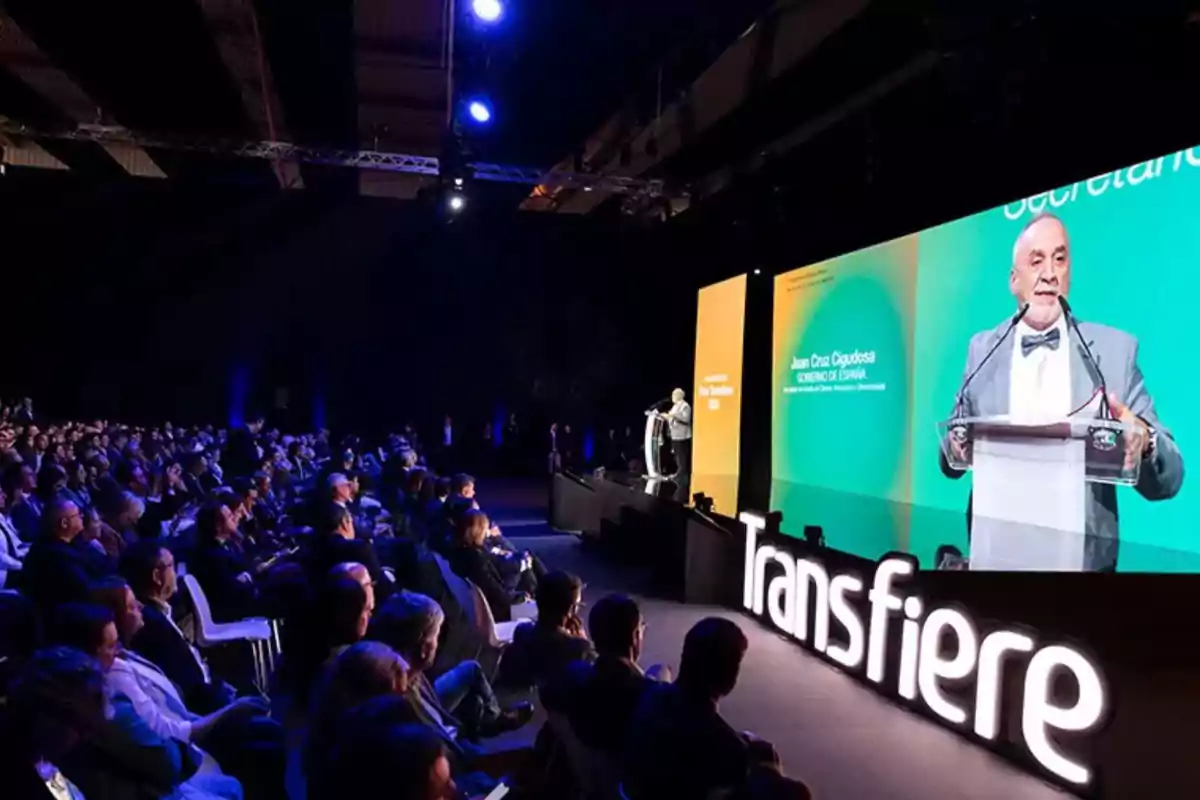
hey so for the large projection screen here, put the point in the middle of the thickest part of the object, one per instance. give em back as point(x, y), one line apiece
point(870, 350)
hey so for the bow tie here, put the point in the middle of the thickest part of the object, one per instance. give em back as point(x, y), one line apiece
point(1047, 339)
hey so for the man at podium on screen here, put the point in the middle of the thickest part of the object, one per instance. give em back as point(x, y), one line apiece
point(1043, 365)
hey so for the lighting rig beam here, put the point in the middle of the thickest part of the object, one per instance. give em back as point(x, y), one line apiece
point(352, 159)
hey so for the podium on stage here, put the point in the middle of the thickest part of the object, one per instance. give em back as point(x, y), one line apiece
point(655, 425)
point(1030, 485)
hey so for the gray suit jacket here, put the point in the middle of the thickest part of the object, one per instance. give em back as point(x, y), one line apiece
point(1116, 352)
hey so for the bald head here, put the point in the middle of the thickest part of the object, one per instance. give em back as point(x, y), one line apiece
point(1041, 269)
point(677, 396)
point(354, 571)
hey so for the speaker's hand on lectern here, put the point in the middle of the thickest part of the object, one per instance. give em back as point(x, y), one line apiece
point(1138, 434)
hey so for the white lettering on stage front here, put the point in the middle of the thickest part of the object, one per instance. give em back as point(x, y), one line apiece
point(938, 646)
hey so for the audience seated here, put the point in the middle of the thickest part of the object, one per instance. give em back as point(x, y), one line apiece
point(678, 745)
point(124, 757)
point(599, 698)
point(470, 559)
point(228, 733)
point(12, 549)
point(363, 671)
point(378, 756)
point(398, 701)
point(54, 572)
point(542, 650)
point(20, 636)
point(459, 704)
point(226, 575)
point(23, 508)
point(336, 543)
point(56, 700)
point(149, 569)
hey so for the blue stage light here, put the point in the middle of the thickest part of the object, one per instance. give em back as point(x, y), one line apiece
point(480, 111)
point(487, 10)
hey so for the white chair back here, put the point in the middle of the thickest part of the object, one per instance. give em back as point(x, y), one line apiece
point(487, 622)
point(203, 615)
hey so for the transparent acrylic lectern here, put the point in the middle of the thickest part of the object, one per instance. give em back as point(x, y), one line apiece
point(653, 443)
point(1030, 485)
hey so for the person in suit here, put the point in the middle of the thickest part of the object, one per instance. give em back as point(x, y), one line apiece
point(460, 703)
point(336, 544)
point(1041, 372)
point(149, 568)
point(542, 650)
point(678, 744)
point(53, 572)
point(599, 698)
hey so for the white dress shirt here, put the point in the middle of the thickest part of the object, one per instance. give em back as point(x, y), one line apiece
point(1040, 385)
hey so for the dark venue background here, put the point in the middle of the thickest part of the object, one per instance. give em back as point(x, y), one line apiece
point(213, 288)
point(209, 297)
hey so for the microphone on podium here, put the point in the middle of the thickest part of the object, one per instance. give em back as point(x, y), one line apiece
point(962, 391)
point(1105, 409)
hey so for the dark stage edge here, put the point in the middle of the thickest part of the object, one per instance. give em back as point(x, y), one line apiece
point(845, 741)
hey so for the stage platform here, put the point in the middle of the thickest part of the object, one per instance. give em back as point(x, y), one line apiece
point(844, 740)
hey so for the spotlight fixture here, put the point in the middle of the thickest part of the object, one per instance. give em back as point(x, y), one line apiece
point(487, 10)
point(456, 202)
point(480, 111)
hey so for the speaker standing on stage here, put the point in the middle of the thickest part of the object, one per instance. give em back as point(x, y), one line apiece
point(679, 420)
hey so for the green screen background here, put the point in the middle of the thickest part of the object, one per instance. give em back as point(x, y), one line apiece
point(870, 475)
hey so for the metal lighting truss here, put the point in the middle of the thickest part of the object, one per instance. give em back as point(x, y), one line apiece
point(352, 159)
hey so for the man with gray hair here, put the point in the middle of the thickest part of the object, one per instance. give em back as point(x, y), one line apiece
point(1036, 368)
point(679, 423)
point(458, 704)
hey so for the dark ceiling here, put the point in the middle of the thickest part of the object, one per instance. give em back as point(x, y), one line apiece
point(963, 104)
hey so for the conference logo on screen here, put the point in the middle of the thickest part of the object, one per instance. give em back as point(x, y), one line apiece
point(1161, 167)
point(835, 371)
point(940, 649)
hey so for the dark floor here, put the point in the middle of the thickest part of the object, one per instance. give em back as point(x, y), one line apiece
point(846, 742)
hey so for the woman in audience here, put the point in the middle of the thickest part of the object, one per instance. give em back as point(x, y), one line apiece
point(542, 650)
point(470, 559)
point(125, 757)
point(226, 577)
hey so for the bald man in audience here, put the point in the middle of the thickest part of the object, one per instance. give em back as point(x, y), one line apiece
point(356, 572)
